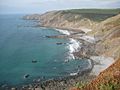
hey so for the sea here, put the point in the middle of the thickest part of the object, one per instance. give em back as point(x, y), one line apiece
point(26, 51)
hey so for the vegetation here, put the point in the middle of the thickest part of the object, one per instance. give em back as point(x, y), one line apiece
point(110, 86)
point(96, 11)
point(80, 85)
point(93, 14)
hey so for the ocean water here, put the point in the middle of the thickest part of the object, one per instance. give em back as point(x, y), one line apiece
point(21, 42)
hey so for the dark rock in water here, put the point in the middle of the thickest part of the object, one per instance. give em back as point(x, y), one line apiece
point(59, 43)
point(26, 76)
point(34, 61)
point(58, 36)
point(52, 36)
point(48, 36)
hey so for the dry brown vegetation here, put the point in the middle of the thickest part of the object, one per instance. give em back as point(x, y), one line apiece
point(109, 79)
point(110, 75)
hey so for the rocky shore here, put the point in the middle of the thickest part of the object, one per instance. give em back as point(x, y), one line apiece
point(69, 81)
point(94, 38)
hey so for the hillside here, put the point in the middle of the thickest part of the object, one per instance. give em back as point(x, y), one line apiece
point(109, 79)
point(74, 19)
point(108, 34)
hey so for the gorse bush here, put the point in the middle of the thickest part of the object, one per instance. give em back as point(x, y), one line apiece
point(110, 86)
point(80, 85)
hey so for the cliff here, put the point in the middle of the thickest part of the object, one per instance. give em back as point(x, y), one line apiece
point(108, 34)
point(74, 19)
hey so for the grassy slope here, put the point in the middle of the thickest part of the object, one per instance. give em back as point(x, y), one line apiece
point(99, 11)
point(76, 14)
point(76, 18)
point(94, 14)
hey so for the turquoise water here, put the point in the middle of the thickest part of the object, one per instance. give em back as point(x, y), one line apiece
point(20, 43)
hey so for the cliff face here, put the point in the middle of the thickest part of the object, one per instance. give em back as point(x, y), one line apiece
point(60, 19)
point(108, 32)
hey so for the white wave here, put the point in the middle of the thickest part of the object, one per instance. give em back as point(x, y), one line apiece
point(73, 46)
point(66, 32)
point(73, 74)
point(90, 64)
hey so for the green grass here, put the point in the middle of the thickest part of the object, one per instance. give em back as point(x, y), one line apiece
point(80, 84)
point(96, 11)
point(110, 86)
point(92, 14)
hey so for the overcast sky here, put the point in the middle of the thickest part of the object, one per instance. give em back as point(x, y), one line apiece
point(40, 6)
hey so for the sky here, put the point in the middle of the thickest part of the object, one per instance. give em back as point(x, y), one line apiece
point(40, 6)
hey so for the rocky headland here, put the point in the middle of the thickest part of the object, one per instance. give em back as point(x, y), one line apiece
point(97, 30)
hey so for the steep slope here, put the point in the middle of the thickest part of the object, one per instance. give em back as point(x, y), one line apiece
point(60, 19)
point(109, 79)
point(108, 34)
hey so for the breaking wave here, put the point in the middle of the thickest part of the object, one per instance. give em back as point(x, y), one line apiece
point(63, 31)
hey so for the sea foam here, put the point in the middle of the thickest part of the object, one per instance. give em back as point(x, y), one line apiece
point(73, 46)
point(63, 31)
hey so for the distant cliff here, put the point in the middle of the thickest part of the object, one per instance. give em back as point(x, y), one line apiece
point(74, 19)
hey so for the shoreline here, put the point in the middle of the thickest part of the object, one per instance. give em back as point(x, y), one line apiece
point(99, 62)
point(73, 76)
point(54, 83)
point(61, 28)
